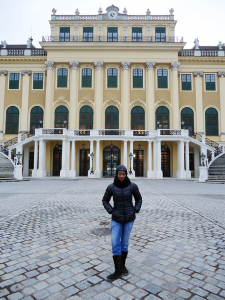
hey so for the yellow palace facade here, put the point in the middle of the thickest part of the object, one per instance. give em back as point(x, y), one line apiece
point(109, 89)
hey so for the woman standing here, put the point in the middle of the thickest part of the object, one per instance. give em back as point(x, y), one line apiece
point(123, 216)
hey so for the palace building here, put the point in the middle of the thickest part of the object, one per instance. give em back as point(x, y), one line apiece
point(110, 89)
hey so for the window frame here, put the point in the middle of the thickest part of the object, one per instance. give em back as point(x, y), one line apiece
point(81, 81)
point(35, 89)
point(18, 123)
point(205, 83)
point(161, 39)
point(64, 38)
point(116, 38)
point(88, 38)
point(107, 75)
point(161, 124)
point(57, 78)
point(157, 83)
point(137, 123)
point(86, 123)
point(218, 121)
point(137, 38)
point(181, 82)
point(186, 115)
point(63, 125)
point(137, 68)
point(39, 124)
point(111, 122)
point(10, 89)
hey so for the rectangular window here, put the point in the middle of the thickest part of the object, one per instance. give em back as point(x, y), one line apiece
point(112, 35)
point(14, 81)
point(38, 81)
point(87, 78)
point(136, 34)
point(186, 82)
point(64, 35)
point(160, 34)
point(88, 34)
point(112, 78)
point(162, 79)
point(137, 78)
point(210, 82)
point(62, 77)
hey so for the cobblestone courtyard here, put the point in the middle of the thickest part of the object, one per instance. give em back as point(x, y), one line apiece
point(48, 250)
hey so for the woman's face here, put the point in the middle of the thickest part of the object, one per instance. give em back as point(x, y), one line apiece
point(121, 175)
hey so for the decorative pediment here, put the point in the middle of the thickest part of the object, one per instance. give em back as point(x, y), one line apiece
point(138, 101)
point(86, 101)
point(163, 102)
point(112, 100)
point(61, 101)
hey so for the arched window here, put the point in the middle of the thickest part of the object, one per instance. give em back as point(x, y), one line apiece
point(137, 118)
point(12, 120)
point(211, 121)
point(162, 117)
point(36, 118)
point(61, 117)
point(187, 118)
point(111, 117)
point(86, 117)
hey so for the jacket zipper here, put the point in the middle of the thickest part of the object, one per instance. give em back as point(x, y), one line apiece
point(123, 207)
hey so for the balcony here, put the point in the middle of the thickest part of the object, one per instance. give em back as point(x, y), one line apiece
point(124, 38)
point(22, 52)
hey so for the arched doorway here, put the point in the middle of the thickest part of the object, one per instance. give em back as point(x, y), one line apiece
point(139, 163)
point(84, 162)
point(57, 160)
point(111, 159)
point(165, 160)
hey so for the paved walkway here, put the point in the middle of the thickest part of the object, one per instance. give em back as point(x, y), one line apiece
point(48, 249)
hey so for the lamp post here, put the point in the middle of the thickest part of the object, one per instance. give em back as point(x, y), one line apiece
point(92, 157)
point(158, 122)
point(41, 122)
point(130, 155)
point(182, 124)
point(139, 146)
point(18, 155)
point(203, 159)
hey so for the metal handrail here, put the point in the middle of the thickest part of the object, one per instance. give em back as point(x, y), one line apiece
point(103, 38)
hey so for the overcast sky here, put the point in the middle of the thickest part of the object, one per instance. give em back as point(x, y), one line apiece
point(195, 18)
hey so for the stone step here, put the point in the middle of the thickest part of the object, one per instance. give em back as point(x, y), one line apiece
point(6, 168)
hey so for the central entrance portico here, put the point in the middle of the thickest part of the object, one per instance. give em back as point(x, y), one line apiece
point(111, 159)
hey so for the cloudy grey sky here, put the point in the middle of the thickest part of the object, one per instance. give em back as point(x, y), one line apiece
point(195, 18)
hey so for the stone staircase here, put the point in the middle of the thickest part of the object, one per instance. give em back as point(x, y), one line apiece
point(6, 168)
point(216, 170)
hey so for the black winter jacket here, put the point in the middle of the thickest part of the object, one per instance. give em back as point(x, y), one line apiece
point(123, 210)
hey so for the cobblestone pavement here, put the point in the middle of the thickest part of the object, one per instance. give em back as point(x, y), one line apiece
point(48, 250)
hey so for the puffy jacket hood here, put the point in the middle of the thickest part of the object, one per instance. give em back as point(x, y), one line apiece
point(121, 168)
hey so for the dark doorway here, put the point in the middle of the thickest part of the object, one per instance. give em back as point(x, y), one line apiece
point(111, 159)
point(139, 163)
point(165, 160)
point(57, 160)
point(31, 161)
point(84, 162)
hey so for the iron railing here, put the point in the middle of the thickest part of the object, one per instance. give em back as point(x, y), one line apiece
point(211, 143)
point(102, 38)
point(195, 135)
point(111, 132)
point(81, 132)
point(52, 131)
point(27, 135)
point(216, 153)
point(170, 132)
point(140, 133)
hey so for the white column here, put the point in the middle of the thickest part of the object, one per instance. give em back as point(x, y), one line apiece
point(188, 172)
point(97, 171)
point(125, 154)
point(175, 96)
point(49, 95)
point(91, 150)
point(222, 104)
point(199, 102)
point(196, 162)
point(72, 172)
point(65, 159)
point(180, 160)
point(3, 73)
point(150, 96)
point(26, 153)
point(73, 94)
point(25, 97)
point(41, 172)
point(150, 173)
point(98, 94)
point(34, 171)
point(125, 94)
point(157, 159)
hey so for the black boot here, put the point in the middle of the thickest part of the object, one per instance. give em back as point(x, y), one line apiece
point(124, 269)
point(118, 268)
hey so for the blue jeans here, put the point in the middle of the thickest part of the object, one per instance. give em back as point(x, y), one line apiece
point(120, 233)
